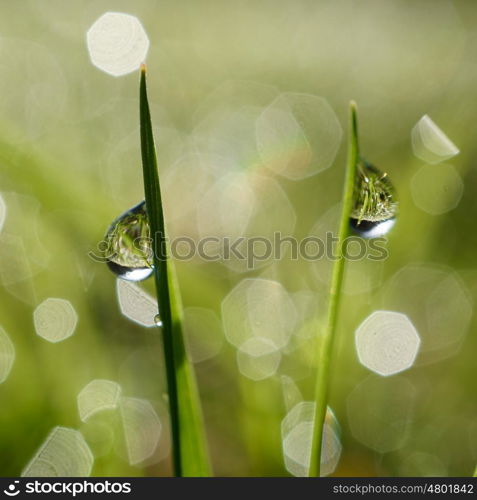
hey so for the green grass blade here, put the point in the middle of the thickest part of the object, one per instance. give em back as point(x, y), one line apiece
point(188, 435)
point(326, 345)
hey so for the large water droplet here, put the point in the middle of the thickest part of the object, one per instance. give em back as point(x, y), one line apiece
point(129, 250)
point(374, 202)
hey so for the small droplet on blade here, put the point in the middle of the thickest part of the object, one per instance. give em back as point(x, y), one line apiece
point(374, 202)
point(158, 320)
point(129, 250)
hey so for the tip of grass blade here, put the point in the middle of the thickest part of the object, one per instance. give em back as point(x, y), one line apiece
point(353, 129)
point(143, 68)
point(353, 110)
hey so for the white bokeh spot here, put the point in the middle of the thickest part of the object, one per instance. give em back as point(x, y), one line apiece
point(97, 396)
point(55, 319)
point(387, 342)
point(437, 189)
point(7, 355)
point(64, 453)
point(258, 358)
point(3, 212)
point(430, 143)
point(136, 304)
point(297, 438)
point(298, 135)
point(258, 308)
point(117, 43)
point(142, 428)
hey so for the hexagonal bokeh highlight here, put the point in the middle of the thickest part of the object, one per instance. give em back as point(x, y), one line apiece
point(3, 212)
point(55, 319)
point(64, 453)
point(291, 393)
point(258, 308)
point(437, 189)
point(297, 437)
point(249, 210)
point(97, 396)
point(117, 43)
point(430, 143)
point(225, 121)
point(298, 135)
point(439, 304)
point(136, 304)
point(258, 358)
point(7, 355)
point(142, 428)
point(387, 342)
point(380, 412)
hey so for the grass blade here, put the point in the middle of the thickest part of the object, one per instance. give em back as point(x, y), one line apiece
point(326, 347)
point(188, 435)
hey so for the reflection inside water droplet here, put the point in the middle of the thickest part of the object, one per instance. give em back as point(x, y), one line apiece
point(372, 229)
point(374, 202)
point(129, 251)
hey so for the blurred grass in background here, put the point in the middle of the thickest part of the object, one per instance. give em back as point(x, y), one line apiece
point(70, 163)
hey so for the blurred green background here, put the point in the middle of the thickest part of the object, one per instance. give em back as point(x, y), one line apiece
point(70, 163)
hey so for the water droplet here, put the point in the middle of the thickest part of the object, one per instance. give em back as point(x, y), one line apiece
point(157, 320)
point(374, 205)
point(129, 249)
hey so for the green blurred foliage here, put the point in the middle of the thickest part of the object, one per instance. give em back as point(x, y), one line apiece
point(69, 140)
